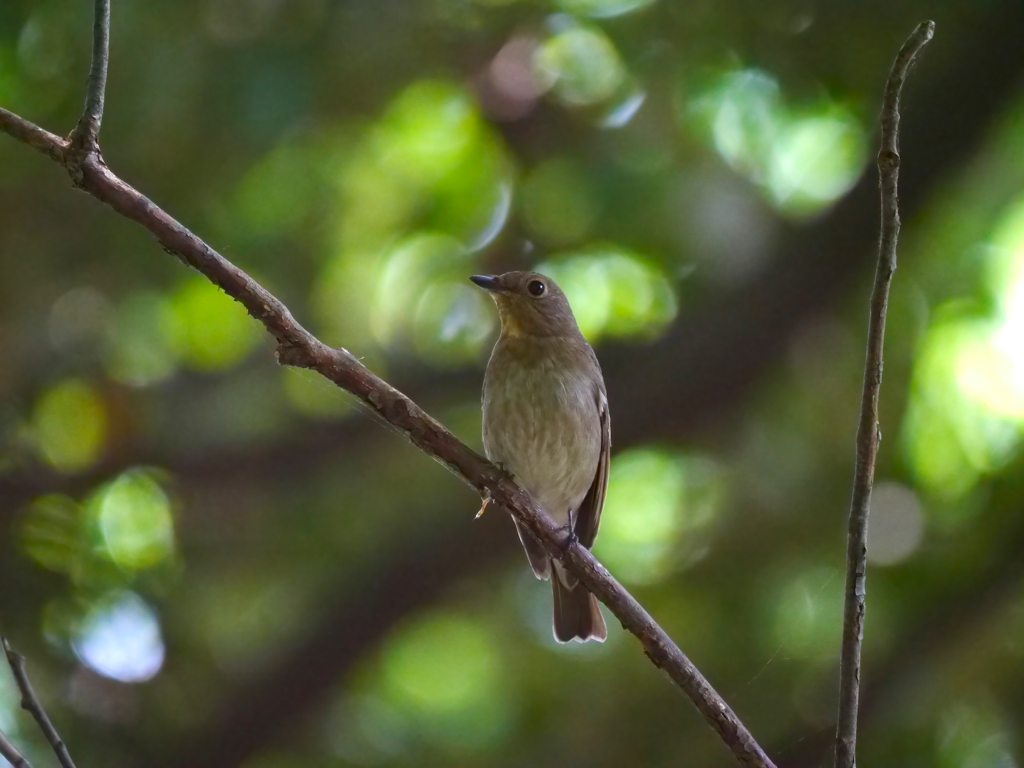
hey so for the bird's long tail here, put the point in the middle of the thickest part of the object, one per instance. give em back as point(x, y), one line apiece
point(577, 614)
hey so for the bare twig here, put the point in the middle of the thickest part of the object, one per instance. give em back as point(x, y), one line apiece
point(868, 429)
point(86, 136)
point(11, 754)
point(298, 347)
point(30, 703)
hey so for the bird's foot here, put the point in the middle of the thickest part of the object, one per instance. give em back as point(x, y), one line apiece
point(572, 537)
point(504, 470)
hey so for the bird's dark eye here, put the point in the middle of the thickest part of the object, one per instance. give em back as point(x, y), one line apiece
point(536, 288)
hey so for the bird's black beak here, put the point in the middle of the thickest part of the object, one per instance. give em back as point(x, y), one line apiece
point(488, 283)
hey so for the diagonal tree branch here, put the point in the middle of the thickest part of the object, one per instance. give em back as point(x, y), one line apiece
point(31, 704)
point(40, 140)
point(868, 430)
point(298, 347)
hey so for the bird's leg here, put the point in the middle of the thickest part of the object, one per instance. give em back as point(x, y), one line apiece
point(573, 538)
point(504, 470)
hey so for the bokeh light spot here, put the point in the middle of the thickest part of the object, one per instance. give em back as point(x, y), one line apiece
point(620, 113)
point(411, 267)
point(445, 672)
point(897, 524)
point(948, 437)
point(613, 291)
point(444, 663)
point(427, 130)
point(741, 111)
point(69, 425)
point(581, 65)
point(429, 171)
point(801, 159)
point(513, 85)
point(601, 9)
point(51, 532)
point(453, 322)
point(432, 152)
point(210, 330)
point(816, 159)
point(992, 373)
point(139, 349)
point(655, 499)
point(499, 216)
point(78, 318)
point(966, 412)
point(134, 518)
point(120, 638)
point(642, 514)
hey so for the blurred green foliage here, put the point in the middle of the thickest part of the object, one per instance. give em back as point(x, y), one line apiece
point(803, 159)
point(69, 425)
point(234, 565)
point(444, 673)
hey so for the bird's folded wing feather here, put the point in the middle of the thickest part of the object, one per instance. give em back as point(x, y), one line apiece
point(588, 516)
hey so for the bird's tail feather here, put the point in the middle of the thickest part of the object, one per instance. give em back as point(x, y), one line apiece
point(577, 614)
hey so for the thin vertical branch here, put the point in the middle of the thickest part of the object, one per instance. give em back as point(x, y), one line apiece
point(31, 704)
point(868, 430)
point(85, 137)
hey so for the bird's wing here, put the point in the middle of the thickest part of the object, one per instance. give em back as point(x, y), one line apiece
point(588, 516)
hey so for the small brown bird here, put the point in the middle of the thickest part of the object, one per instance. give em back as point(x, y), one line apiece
point(546, 422)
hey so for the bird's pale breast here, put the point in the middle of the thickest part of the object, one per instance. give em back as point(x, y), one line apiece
point(541, 421)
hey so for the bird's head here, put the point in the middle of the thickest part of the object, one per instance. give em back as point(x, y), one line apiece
point(529, 304)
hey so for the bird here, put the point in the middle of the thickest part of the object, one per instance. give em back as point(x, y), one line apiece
point(546, 422)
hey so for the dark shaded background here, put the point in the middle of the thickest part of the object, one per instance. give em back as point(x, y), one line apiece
point(211, 561)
